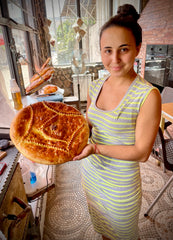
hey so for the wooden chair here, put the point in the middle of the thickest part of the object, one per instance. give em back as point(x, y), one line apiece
point(162, 151)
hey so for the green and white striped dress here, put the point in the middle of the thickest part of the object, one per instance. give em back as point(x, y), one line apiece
point(113, 186)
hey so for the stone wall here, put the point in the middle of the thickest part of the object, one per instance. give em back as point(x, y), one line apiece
point(63, 76)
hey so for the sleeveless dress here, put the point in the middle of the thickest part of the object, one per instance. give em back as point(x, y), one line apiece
point(113, 186)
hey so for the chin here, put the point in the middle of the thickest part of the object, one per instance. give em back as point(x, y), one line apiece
point(117, 74)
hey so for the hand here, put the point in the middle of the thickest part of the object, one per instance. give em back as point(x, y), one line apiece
point(88, 150)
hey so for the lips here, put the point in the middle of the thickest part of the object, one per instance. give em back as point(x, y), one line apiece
point(116, 68)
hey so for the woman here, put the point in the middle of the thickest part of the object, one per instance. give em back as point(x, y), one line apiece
point(123, 112)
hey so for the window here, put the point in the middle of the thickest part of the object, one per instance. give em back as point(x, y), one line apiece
point(4, 67)
point(15, 12)
point(23, 51)
point(18, 43)
point(64, 40)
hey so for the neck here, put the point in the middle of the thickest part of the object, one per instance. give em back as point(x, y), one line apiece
point(124, 80)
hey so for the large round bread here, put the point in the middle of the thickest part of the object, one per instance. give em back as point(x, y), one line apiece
point(49, 132)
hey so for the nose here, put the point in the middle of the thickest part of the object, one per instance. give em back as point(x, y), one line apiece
point(115, 57)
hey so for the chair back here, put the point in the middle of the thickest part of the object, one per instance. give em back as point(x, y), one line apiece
point(167, 95)
point(168, 162)
point(163, 150)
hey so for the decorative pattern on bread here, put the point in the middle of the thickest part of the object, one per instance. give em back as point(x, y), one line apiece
point(49, 132)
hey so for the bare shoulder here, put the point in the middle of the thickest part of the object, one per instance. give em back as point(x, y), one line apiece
point(154, 98)
point(151, 107)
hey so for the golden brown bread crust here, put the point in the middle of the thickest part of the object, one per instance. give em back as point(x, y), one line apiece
point(50, 89)
point(40, 80)
point(46, 63)
point(45, 67)
point(49, 132)
point(39, 74)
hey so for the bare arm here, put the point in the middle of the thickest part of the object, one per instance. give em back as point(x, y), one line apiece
point(146, 129)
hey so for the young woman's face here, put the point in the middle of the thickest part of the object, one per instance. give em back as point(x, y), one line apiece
point(118, 50)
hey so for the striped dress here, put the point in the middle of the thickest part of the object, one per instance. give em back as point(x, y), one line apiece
point(113, 186)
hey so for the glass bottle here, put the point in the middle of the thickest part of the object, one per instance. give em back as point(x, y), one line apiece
point(16, 95)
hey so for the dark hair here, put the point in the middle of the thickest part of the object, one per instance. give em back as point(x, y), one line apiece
point(126, 17)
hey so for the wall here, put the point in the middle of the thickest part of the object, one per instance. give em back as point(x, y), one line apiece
point(156, 21)
point(63, 77)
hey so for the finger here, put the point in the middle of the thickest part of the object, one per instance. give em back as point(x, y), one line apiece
point(76, 158)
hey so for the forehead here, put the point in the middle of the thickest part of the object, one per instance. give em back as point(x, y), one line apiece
point(116, 36)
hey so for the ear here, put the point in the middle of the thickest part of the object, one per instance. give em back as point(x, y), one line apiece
point(138, 49)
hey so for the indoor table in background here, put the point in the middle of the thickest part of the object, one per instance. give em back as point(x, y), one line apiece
point(167, 113)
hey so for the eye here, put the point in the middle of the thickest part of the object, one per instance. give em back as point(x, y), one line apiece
point(108, 51)
point(124, 50)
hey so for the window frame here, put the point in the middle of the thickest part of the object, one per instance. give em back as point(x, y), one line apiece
point(7, 25)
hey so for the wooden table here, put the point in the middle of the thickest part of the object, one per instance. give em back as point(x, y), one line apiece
point(167, 113)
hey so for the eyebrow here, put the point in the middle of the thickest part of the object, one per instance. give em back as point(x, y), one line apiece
point(123, 45)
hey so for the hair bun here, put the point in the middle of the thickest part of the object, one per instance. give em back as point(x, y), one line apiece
point(128, 10)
